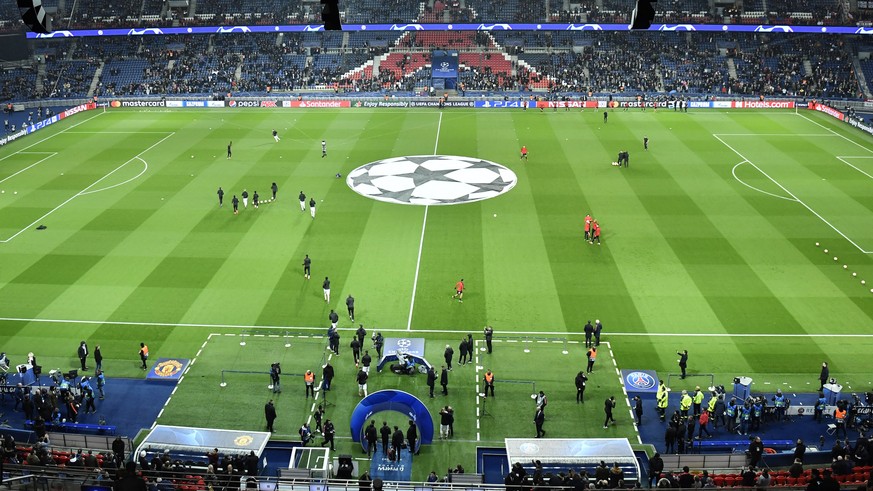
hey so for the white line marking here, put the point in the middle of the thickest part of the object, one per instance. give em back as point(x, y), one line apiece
point(421, 241)
point(804, 135)
point(159, 417)
point(144, 170)
point(734, 172)
point(117, 132)
point(793, 196)
point(28, 167)
point(434, 331)
point(835, 133)
point(84, 191)
point(417, 266)
point(50, 137)
point(843, 160)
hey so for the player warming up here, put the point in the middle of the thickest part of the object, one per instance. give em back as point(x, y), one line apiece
point(307, 264)
point(276, 136)
point(323, 149)
point(459, 291)
point(523, 153)
point(302, 198)
point(229, 150)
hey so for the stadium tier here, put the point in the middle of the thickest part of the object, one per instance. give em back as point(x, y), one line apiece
point(566, 63)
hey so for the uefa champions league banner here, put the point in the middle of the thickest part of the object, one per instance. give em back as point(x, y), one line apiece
point(165, 31)
point(444, 64)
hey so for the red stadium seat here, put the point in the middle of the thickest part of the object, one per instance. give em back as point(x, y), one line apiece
point(719, 481)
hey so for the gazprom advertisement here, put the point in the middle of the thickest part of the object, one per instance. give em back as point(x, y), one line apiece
point(161, 31)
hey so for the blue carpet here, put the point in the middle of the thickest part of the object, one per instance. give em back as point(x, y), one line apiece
point(400, 470)
point(130, 405)
point(803, 427)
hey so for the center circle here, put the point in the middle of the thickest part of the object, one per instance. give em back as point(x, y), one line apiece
point(431, 180)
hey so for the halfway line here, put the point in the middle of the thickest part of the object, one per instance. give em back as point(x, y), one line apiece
point(421, 240)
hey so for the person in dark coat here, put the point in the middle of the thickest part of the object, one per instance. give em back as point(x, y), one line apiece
point(444, 380)
point(385, 432)
point(656, 466)
point(412, 437)
point(823, 376)
point(270, 414)
point(581, 380)
point(756, 450)
point(448, 354)
point(397, 443)
point(372, 436)
point(83, 354)
point(462, 352)
point(431, 379)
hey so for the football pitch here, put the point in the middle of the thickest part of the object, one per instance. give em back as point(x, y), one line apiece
point(713, 240)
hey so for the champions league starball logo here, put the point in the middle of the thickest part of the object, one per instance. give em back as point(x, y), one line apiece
point(404, 343)
point(431, 180)
point(640, 381)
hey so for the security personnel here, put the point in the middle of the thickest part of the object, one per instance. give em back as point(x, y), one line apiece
point(710, 404)
point(684, 403)
point(309, 380)
point(757, 412)
point(698, 401)
point(662, 404)
point(592, 357)
point(489, 382)
point(819, 407)
point(745, 416)
point(662, 387)
point(840, 419)
point(779, 405)
point(731, 412)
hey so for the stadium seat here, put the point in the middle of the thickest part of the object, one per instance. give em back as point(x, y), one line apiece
point(719, 481)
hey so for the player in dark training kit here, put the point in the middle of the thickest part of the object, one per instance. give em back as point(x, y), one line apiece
point(323, 149)
point(645, 142)
point(230, 150)
point(276, 136)
point(220, 197)
point(306, 264)
point(275, 190)
point(235, 202)
point(302, 198)
point(255, 198)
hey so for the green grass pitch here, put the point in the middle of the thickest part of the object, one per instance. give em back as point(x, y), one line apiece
point(709, 244)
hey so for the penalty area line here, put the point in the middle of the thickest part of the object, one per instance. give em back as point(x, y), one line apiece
point(774, 181)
